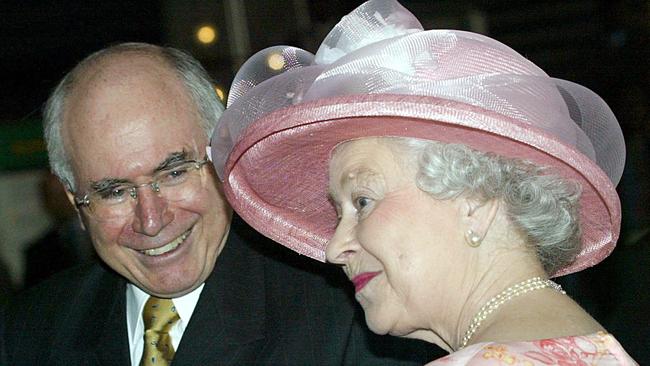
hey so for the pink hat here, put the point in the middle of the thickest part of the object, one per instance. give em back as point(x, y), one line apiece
point(378, 73)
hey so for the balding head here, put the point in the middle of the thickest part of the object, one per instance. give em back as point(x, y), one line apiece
point(118, 64)
point(122, 97)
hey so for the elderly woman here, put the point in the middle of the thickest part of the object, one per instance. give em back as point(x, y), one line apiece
point(447, 175)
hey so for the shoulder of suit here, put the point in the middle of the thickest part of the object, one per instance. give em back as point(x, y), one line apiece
point(63, 288)
point(281, 261)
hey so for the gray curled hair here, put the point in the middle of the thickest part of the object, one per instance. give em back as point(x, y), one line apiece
point(188, 69)
point(541, 206)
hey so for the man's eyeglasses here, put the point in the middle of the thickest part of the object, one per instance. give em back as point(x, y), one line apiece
point(176, 183)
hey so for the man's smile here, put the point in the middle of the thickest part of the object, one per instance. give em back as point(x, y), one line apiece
point(167, 247)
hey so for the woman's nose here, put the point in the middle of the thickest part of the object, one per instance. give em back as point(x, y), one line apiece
point(343, 244)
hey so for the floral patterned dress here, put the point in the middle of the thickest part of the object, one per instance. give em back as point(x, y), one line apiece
point(595, 349)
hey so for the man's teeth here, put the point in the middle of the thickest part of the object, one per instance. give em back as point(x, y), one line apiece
point(167, 247)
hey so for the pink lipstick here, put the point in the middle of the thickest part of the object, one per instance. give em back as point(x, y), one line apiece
point(362, 279)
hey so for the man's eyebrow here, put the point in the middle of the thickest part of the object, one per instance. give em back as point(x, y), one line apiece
point(172, 159)
point(106, 183)
point(109, 182)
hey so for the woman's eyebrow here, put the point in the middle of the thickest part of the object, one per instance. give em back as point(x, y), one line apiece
point(330, 195)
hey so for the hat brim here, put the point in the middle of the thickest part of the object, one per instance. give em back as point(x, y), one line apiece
point(287, 199)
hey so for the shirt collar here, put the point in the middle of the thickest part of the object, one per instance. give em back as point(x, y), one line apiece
point(136, 298)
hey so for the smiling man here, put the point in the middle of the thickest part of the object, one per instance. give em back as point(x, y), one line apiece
point(181, 279)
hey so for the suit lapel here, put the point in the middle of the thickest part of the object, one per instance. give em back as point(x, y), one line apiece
point(107, 322)
point(227, 326)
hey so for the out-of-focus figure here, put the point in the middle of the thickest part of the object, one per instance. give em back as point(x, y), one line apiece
point(64, 245)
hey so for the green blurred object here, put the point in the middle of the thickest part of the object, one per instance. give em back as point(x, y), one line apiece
point(22, 145)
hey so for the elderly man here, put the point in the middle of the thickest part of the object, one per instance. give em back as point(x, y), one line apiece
point(127, 131)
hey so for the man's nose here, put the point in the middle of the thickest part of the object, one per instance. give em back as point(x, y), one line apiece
point(151, 213)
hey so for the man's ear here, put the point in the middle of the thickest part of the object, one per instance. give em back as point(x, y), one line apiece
point(70, 196)
point(479, 217)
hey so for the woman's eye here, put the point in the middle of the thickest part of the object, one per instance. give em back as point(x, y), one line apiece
point(361, 202)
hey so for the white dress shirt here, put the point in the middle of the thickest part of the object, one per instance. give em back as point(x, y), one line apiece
point(135, 300)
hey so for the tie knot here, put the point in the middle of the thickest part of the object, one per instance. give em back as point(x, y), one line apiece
point(159, 314)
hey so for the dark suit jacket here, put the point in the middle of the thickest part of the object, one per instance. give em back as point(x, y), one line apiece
point(262, 305)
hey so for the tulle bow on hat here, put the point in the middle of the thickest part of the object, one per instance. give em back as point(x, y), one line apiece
point(378, 73)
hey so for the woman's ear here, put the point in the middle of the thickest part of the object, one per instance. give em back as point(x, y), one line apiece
point(478, 217)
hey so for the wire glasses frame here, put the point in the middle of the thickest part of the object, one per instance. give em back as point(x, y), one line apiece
point(115, 200)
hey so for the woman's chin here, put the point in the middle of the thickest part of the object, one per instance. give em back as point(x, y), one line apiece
point(378, 325)
point(377, 330)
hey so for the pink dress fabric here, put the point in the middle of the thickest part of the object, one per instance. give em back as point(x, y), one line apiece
point(600, 349)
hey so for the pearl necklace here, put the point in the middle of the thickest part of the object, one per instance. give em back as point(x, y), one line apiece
point(506, 295)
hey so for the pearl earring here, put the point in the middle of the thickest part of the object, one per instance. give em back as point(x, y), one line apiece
point(472, 238)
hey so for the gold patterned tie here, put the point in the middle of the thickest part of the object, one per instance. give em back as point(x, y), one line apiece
point(159, 316)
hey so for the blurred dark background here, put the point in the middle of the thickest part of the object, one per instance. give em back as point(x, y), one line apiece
point(600, 44)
